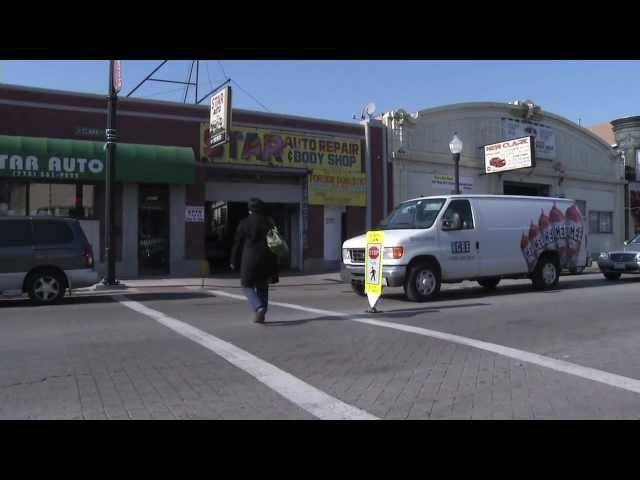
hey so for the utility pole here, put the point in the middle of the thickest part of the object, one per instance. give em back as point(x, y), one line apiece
point(109, 211)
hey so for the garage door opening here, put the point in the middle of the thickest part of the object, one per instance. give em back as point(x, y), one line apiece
point(528, 189)
point(222, 219)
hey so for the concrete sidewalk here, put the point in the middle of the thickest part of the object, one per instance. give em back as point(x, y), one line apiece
point(222, 281)
point(233, 281)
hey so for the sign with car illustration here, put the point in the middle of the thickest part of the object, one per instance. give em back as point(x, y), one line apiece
point(510, 155)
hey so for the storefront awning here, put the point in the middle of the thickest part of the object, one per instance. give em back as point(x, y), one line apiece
point(60, 159)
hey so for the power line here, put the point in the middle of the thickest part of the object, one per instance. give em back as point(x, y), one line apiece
point(222, 68)
point(254, 98)
point(162, 92)
point(208, 75)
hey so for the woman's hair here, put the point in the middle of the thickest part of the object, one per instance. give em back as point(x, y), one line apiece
point(256, 206)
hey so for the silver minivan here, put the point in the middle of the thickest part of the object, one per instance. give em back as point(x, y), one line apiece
point(44, 257)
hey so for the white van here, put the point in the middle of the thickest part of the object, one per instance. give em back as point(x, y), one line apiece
point(452, 238)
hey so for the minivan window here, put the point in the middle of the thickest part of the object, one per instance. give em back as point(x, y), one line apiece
point(413, 214)
point(51, 233)
point(15, 233)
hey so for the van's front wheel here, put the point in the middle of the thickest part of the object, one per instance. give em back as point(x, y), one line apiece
point(423, 282)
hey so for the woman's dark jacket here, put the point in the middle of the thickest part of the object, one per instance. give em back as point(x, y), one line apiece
point(259, 264)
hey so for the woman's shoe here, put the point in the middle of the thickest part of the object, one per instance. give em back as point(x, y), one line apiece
point(259, 316)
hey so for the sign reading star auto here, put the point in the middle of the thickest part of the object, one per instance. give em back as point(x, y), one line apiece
point(373, 267)
point(510, 155)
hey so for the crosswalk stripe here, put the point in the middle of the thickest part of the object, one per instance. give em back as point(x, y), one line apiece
point(307, 397)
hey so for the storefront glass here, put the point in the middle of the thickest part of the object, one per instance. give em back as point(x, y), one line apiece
point(62, 200)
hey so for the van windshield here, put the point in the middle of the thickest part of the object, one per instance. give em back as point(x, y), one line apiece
point(414, 214)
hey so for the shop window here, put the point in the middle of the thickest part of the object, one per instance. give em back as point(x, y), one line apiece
point(13, 198)
point(600, 222)
point(62, 200)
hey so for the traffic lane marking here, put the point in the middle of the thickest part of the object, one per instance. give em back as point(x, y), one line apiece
point(298, 392)
point(600, 376)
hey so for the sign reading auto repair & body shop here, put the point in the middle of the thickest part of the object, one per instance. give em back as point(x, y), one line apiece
point(336, 177)
point(509, 155)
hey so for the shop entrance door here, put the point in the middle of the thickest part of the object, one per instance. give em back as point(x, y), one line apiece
point(153, 230)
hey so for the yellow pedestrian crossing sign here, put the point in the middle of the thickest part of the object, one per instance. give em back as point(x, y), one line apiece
point(374, 254)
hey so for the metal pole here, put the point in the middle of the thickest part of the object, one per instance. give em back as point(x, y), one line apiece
point(109, 214)
point(368, 172)
point(456, 161)
point(385, 174)
point(195, 98)
point(188, 82)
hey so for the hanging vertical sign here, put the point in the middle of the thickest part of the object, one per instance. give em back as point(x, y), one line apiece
point(117, 76)
point(220, 117)
point(373, 267)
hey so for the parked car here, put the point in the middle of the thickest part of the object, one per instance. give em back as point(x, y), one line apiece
point(44, 257)
point(626, 259)
point(451, 238)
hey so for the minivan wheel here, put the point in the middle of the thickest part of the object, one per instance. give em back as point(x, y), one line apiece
point(46, 287)
point(612, 276)
point(546, 274)
point(423, 283)
point(489, 283)
point(358, 288)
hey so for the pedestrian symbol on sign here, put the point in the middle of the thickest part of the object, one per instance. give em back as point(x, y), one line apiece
point(373, 267)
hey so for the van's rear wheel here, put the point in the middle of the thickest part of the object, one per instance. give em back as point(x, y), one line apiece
point(546, 274)
point(489, 283)
point(358, 288)
point(423, 282)
point(46, 287)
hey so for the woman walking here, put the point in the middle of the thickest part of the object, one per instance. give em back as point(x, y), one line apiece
point(259, 266)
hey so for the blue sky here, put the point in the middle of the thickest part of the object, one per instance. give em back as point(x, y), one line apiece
point(592, 91)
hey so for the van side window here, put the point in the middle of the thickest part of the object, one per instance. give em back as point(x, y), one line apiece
point(462, 210)
point(15, 233)
point(51, 233)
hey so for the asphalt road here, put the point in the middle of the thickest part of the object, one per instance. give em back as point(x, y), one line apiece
point(187, 353)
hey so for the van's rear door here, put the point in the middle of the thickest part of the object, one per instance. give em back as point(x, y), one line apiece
point(54, 244)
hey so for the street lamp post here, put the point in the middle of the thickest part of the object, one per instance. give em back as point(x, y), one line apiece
point(455, 145)
point(110, 259)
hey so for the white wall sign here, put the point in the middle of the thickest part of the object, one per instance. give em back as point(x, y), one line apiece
point(447, 183)
point(194, 214)
point(544, 136)
point(509, 155)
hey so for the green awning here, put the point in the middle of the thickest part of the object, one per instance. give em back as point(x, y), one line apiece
point(58, 159)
